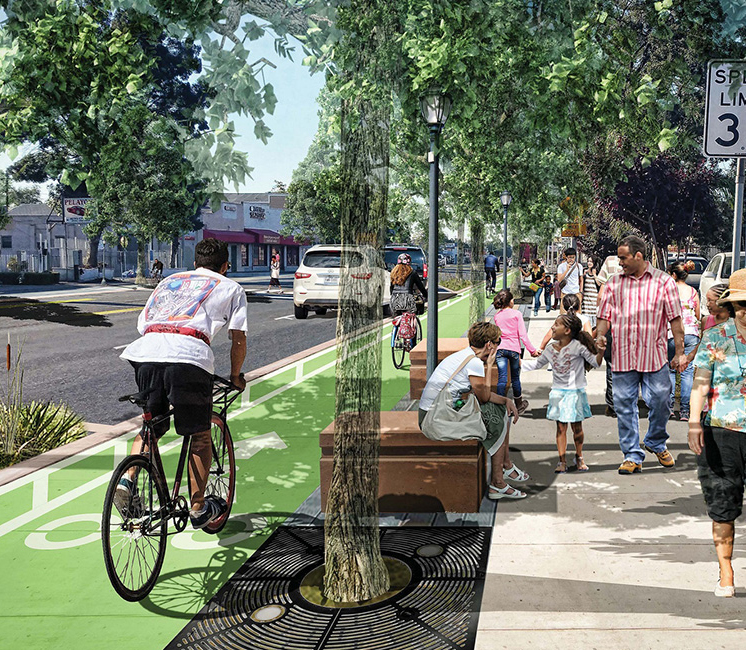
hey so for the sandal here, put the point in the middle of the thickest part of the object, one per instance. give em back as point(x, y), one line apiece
point(520, 475)
point(561, 468)
point(580, 464)
point(508, 492)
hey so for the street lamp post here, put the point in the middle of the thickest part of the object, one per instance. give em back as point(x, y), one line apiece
point(505, 199)
point(435, 108)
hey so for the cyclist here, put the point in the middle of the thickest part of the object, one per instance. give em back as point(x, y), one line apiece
point(157, 270)
point(173, 357)
point(491, 267)
point(404, 283)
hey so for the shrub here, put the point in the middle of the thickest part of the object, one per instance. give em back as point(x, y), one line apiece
point(13, 264)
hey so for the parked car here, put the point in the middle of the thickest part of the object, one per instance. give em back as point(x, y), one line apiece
point(391, 253)
point(316, 281)
point(442, 260)
point(700, 264)
point(717, 272)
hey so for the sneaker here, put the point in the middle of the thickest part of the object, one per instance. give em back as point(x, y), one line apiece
point(724, 592)
point(214, 507)
point(123, 496)
point(630, 467)
point(664, 457)
point(610, 412)
point(684, 415)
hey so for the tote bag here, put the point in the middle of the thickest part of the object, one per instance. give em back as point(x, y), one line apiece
point(443, 422)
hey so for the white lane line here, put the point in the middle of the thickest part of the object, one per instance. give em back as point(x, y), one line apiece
point(288, 317)
point(121, 347)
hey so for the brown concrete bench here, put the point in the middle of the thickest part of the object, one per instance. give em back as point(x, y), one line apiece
point(418, 363)
point(418, 474)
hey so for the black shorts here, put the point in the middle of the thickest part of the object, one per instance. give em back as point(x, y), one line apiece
point(721, 468)
point(184, 386)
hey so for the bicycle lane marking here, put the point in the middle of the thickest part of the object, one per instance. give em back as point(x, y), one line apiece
point(40, 479)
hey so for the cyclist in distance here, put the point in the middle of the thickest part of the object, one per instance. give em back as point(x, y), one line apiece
point(404, 282)
point(491, 267)
point(173, 357)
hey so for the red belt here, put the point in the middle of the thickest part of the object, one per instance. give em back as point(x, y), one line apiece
point(174, 329)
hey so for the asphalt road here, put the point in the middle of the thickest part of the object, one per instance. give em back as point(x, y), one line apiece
point(70, 341)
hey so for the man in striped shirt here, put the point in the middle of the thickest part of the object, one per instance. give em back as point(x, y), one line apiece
point(639, 303)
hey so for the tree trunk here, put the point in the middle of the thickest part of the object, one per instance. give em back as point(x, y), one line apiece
point(460, 250)
point(141, 276)
point(91, 259)
point(476, 302)
point(355, 570)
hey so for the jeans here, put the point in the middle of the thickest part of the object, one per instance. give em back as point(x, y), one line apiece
point(490, 277)
point(537, 300)
point(502, 360)
point(656, 391)
point(687, 377)
point(548, 298)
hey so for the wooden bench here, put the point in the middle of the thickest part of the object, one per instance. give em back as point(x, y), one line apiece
point(418, 474)
point(418, 364)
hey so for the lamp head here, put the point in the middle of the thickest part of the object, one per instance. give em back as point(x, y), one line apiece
point(505, 198)
point(435, 107)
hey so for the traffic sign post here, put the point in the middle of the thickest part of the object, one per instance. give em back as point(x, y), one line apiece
point(725, 130)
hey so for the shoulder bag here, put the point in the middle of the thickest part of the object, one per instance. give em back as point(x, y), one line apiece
point(443, 422)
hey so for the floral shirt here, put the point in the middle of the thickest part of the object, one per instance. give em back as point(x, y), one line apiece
point(723, 352)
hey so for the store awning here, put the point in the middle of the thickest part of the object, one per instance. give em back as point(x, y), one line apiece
point(230, 236)
point(272, 237)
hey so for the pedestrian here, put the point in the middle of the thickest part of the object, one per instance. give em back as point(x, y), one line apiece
point(510, 322)
point(690, 316)
point(608, 268)
point(640, 302)
point(174, 363)
point(568, 276)
point(589, 290)
point(719, 438)
point(274, 272)
point(491, 266)
point(572, 352)
point(556, 293)
point(536, 273)
point(548, 286)
point(571, 306)
point(476, 377)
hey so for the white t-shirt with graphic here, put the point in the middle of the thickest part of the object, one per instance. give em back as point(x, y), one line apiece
point(201, 300)
point(461, 382)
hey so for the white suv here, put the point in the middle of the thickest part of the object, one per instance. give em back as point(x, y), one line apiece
point(316, 283)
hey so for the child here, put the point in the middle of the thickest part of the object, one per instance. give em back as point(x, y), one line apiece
point(572, 353)
point(510, 322)
point(557, 292)
point(571, 305)
point(548, 290)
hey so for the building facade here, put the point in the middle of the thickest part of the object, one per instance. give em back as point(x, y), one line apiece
point(250, 224)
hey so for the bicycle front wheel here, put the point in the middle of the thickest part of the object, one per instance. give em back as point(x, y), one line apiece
point(221, 481)
point(134, 528)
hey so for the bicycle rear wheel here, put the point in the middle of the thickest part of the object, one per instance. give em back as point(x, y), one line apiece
point(134, 528)
point(397, 348)
point(221, 481)
point(418, 333)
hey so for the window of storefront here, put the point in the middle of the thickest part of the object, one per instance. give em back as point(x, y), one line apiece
point(7, 241)
point(245, 255)
point(259, 257)
point(292, 255)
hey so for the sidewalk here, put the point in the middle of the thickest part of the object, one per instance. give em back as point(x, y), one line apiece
point(601, 560)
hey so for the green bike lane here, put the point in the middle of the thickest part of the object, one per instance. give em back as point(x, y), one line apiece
point(55, 592)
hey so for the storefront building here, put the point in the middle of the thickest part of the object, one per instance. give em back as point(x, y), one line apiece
point(250, 224)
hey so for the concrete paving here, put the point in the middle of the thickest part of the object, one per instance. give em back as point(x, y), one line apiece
point(599, 560)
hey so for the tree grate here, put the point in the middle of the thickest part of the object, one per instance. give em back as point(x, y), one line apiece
point(261, 608)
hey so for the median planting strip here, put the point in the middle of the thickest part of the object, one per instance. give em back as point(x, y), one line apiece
point(56, 592)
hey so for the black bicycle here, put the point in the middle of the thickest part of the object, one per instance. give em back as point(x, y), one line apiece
point(134, 529)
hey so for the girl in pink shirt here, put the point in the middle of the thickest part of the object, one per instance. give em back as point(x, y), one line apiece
point(510, 322)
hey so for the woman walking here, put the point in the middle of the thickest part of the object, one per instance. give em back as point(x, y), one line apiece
point(536, 273)
point(510, 322)
point(719, 439)
point(476, 377)
point(571, 353)
point(274, 272)
point(589, 290)
point(690, 316)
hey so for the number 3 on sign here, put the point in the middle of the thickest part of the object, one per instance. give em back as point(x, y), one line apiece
point(733, 129)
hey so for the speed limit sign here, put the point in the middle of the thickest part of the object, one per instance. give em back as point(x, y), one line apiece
point(725, 110)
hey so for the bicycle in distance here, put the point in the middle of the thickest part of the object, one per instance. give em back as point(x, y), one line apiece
point(135, 527)
point(407, 333)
